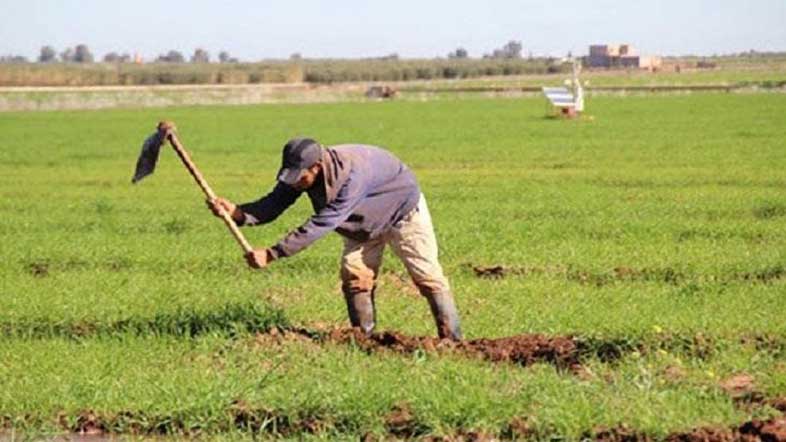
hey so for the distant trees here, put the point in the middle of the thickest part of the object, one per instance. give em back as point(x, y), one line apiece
point(114, 57)
point(47, 54)
point(13, 59)
point(224, 57)
point(200, 56)
point(512, 49)
point(171, 57)
point(82, 54)
point(67, 56)
point(79, 54)
point(459, 53)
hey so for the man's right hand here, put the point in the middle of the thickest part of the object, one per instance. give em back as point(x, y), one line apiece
point(229, 207)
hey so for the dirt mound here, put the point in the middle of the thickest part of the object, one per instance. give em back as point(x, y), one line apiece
point(401, 422)
point(773, 430)
point(520, 349)
point(778, 404)
point(706, 434)
point(621, 433)
point(738, 385)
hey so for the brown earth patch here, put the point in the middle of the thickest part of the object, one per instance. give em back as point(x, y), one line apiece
point(778, 404)
point(674, 373)
point(463, 436)
point(518, 428)
point(566, 351)
point(524, 349)
point(706, 434)
point(401, 422)
point(743, 392)
point(738, 385)
point(773, 430)
point(621, 433)
point(38, 269)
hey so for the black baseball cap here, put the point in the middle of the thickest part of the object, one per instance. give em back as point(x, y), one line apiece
point(299, 154)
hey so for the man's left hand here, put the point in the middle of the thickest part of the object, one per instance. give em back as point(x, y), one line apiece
point(259, 258)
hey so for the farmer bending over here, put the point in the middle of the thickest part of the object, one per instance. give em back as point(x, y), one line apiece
point(370, 198)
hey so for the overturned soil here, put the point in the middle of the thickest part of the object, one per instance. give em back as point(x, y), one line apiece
point(772, 430)
point(525, 349)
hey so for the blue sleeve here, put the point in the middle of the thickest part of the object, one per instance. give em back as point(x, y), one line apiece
point(326, 220)
point(269, 207)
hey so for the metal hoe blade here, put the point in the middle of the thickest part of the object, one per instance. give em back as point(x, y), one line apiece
point(148, 158)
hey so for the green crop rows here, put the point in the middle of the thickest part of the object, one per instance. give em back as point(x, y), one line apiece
point(654, 230)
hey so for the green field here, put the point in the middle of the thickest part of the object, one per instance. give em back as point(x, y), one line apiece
point(652, 230)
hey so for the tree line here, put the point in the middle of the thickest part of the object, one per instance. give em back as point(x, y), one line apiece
point(81, 53)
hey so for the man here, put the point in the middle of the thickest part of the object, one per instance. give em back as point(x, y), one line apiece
point(369, 197)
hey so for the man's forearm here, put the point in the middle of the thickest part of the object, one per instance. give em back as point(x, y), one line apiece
point(270, 206)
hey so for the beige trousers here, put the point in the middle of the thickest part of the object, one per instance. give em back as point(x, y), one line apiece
point(413, 241)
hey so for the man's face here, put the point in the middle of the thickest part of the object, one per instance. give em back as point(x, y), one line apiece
point(307, 179)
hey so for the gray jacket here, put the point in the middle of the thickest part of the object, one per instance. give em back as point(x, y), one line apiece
point(361, 192)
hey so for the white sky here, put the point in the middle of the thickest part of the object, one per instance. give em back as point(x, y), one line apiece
point(252, 30)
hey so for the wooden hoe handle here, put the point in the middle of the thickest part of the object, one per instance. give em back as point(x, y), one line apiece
point(166, 130)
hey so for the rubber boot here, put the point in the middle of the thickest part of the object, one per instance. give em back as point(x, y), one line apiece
point(446, 315)
point(362, 311)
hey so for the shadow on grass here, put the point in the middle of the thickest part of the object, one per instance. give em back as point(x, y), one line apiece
point(230, 319)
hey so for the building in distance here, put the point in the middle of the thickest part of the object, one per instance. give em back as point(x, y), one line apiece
point(620, 56)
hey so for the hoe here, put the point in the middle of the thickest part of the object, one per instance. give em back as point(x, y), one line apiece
point(148, 158)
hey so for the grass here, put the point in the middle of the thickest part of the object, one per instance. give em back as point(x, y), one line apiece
point(175, 386)
point(655, 226)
